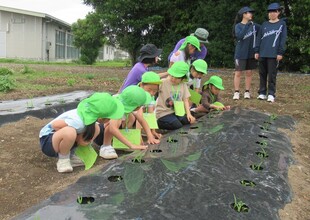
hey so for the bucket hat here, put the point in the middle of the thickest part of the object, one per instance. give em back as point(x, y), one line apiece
point(274, 6)
point(202, 35)
point(200, 66)
point(133, 97)
point(99, 105)
point(179, 69)
point(149, 51)
point(244, 10)
point(191, 40)
point(216, 81)
point(151, 78)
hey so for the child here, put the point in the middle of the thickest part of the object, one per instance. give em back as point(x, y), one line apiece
point(197, 70)
point(211, 94)
point(133, 97)
point(78, 127)
point(202, 35)
point(245, 33)
point(190, 45)
point(172, 91)
point(150, 83)
point(269, 50)
point(148, 57)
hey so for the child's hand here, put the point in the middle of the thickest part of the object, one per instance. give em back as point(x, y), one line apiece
point(156, 135)
point(139, 147)
point(227, 107)
point(191, 119)
point(152, 140)
point(80, 141)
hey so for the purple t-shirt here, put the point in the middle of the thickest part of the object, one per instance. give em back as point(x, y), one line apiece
point(134, 76)
point(197, 55)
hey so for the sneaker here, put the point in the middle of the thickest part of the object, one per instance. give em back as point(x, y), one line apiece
point(270, 98)
point(76, 161)
point(64, 166)
point(236, 96)
point(107, 152)
point(261, 97)
point(247, 95)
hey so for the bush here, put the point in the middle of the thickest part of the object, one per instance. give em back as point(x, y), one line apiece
point(27, 70)
point(6, 83)
point(5, 71)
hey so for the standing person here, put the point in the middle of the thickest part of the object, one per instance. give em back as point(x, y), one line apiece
point(78, 127)
point(269, 51)
point(174, 90)
point(245, 33)
point(148, 56)
point(202, 35)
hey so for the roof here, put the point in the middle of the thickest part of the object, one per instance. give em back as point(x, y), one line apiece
point(35, 14)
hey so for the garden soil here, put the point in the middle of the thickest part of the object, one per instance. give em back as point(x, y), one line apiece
point(27, 176)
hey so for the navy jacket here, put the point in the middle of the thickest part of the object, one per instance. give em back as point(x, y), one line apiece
point(246, 35)
point(271, 39)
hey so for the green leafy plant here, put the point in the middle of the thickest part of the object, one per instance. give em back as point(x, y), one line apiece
point(27, 70)
point(48, 102)
point(257, 166)
point(5, 71)
point(239, 205)
point(89, 76)
point(71, 82)
point(6, 83)
point(262, 154)
point(262, 143)
point(62, 101)
point(170, 140)
point(247, 183)
point(273, 117)
point(80, 199)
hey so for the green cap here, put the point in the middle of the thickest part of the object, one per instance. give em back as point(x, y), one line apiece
point(99, 105)
point(151, 78)
point(191, 40)
point(178, 69)
point(219, 104)
point(216, 81)
point(200, 66)
point(133, 97)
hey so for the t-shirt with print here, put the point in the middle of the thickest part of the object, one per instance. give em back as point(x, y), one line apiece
point(134, 76)
point(71, 118)
point(167, 94)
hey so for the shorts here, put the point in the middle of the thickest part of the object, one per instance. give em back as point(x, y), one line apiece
point(245, 64)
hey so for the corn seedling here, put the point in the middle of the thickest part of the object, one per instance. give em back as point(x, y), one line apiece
point(257, 166)
point(170, 140)
point(80, 199)
point(273, 117)
point(247, 183)
point(263, 153)
point(48, 102)
point(30, 104)
point(239, 205)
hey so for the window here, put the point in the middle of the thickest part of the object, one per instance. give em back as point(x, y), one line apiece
point(60, 44)
point(72, 52)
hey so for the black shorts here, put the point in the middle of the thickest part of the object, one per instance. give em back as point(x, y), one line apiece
point(245, 64)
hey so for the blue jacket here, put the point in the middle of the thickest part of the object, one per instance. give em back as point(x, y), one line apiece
point(246, 35)
point(271, 39)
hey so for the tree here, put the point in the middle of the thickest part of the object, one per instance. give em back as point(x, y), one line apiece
point(88, 37)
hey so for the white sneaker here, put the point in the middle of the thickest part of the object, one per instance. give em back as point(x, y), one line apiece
point(236, 96)
point(247, 95)
point(64, 166)
point(270, 98)
point(76, 161)
point(107, 152)
point(261, 97)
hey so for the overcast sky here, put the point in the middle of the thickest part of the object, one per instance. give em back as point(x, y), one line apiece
point(66, 10)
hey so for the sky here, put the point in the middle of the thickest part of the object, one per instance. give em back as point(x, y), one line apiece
point(66, 10)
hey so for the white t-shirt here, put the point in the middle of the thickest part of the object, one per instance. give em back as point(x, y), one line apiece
point(71, 118)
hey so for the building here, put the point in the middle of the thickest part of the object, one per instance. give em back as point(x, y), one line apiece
point(38, 36)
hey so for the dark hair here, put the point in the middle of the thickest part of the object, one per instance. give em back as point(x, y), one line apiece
point(89, 131)
point(186, 51)
point(148, 60)
point(238, 19)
